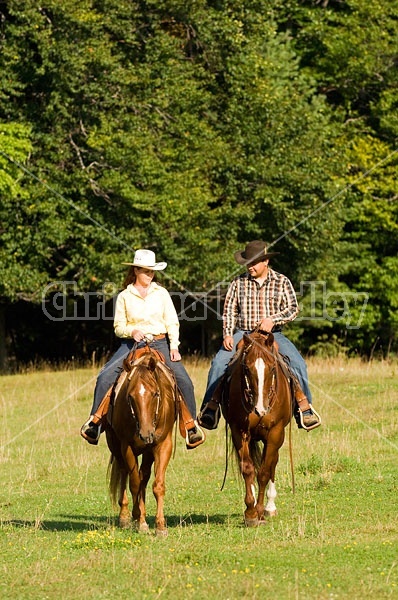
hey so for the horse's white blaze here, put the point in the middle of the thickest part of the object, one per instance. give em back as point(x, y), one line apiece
point(260, 368)
point(142, 390)
point(270, 507)
point(254, 493)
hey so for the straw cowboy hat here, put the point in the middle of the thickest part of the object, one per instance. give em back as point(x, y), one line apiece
point(254, 251)
point(147, 260)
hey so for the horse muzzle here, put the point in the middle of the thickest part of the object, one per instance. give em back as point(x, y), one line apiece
point(148, 437)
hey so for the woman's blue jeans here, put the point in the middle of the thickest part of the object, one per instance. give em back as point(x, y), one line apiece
point(112, 369)
point(286, 347)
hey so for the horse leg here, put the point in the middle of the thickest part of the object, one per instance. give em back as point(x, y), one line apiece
point(266, 474)
point(241, 443)
point(262, 483)
point(270, 507)
point(118, 481)
point(162, 457)
point(247, 469)
point(134, 484)
point(144, 475)
point(124, 514)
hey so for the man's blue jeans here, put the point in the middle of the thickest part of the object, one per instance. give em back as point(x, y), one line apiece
point(286, 347)
point(112, 369)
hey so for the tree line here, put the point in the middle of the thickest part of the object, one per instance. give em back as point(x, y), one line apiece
point(192, 128)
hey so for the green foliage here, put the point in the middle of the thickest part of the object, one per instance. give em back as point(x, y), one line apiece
point(191, 128)
point(371, 235)
point(15, 147)
point(15, 210)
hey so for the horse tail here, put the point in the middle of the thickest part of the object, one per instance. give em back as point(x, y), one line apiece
point(115, 477)
point(256, 454)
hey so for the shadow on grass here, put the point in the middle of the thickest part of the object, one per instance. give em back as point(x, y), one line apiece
point(84, 522)
point(75, 523)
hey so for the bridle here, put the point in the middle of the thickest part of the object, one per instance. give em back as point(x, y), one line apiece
point(248, 401)
point(156, 394)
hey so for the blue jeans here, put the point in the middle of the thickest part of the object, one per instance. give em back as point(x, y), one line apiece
point(112, 369)
point(286, 347)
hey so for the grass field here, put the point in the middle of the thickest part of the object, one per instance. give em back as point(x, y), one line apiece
point(336, 537)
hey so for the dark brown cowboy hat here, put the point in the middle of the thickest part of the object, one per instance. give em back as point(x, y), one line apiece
point(254, 252)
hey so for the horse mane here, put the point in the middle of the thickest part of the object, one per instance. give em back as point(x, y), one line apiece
point(138, 372)
point(258, 343)
point(139, 368)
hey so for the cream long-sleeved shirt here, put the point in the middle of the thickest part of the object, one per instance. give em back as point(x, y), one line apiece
point(153, 314)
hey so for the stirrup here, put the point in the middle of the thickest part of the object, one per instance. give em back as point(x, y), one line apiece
point(84, 428)
point(315, 425)
point(216, 408)
point(188, 444)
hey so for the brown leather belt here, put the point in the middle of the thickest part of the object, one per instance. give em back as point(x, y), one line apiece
point(161, 336)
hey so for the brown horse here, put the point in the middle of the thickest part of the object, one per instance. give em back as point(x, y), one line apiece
point(141, 423)
point(257, 406)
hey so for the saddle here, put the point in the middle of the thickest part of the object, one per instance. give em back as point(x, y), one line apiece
point(137, 353)
point(135, 357)
point(220, 396)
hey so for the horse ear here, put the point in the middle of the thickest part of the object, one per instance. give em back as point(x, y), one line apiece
point(246, 339)
point(152, 363)
point(240, 344)
point(127, 366)
point(269, 340)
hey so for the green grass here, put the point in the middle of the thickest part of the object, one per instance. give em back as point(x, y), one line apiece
point(336, 537)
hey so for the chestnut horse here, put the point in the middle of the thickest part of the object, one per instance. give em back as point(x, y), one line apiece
point(257, 406)
point(141, 424)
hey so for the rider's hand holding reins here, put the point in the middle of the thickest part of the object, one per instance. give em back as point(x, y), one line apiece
point(267, 325)
point(137, 335)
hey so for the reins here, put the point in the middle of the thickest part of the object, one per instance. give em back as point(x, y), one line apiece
point(247, 396)
point(226, 456)
point(247, 392)
point(157, 394)
point(291, 451)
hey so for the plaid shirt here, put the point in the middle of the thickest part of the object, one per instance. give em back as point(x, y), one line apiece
point(247, 303)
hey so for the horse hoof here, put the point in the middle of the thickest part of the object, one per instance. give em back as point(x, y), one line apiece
point(251, 522)
point(162, 533)
point(141, 527)
point(124, 523)
point(271, 513)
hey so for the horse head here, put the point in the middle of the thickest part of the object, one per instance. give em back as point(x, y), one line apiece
point(143, 396)
point(259, 364)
